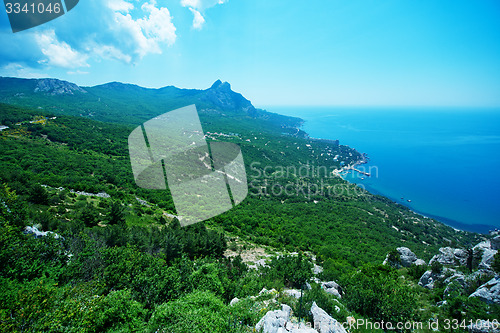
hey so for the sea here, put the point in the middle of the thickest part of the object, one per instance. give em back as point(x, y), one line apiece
point(440, 162)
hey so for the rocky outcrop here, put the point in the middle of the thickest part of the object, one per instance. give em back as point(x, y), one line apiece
point(317, 269)
point(454, 284)
point(407, 258)
point(221, 95)
point(323, 323)
point(278, 321)
point(489, 292)
point(87, 194)
point(57, 87)
point(429, 278)
point(292, 293)
point(495, 243)
point(450, 257)
point(274, 320)
point(489, 249)
point(38, 233)
point(332, 287)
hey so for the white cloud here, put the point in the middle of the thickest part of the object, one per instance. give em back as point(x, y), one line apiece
point(198, 20)
point(59, 54)
point(145, 35)
point(158, 25)
point(191, 3)
point(197, 7)
point(109, 52)
point(120, 6)
point(18, 70)
point(78, 72)
point(123, 30)
point(201, 4)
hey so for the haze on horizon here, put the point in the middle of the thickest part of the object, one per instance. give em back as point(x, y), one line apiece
point(356, 52)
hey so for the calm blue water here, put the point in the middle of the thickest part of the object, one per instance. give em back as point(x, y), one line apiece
point(445, 161)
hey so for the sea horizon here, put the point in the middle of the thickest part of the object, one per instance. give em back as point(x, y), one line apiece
point(439, 164)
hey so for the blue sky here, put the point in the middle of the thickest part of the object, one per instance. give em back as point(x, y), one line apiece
point(349, 52)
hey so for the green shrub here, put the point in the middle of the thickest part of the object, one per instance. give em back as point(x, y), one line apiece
point(207, 278)
point(436, 267)
point(197, 312)
point(416, 271)
point(379, 293)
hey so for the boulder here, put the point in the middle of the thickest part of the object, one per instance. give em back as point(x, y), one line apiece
point(265, 291)
point(332, 287)
point(489, 292)
point(488, 254)
point(323, 323)
point(487, 259)
point(292, 293)
point(317, 269)
point(495, 243)
point(274, 320)
point(451, 257)
point(456, 282)
point(38, 233)
point(407, 258)
point(429, 278)
point(419, 262)
point(234, 301)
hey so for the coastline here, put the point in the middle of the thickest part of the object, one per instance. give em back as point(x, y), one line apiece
point(455, 224)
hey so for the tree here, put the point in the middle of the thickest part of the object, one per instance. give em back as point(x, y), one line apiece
point(294, 271)
point(378, 292)
point(89, 215)
point(436, 267)
point(39, 195)
point(394, 258)
point(116, 214)
point(197, 312)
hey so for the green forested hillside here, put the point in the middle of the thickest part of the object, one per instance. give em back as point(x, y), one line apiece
point(122, 263)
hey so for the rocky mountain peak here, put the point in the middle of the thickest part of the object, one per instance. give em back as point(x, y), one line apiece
point(221, 95)
point(57, 87)
point(221, 86)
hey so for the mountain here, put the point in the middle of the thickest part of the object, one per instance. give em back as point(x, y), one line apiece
point(83, 248)
point(131, 104)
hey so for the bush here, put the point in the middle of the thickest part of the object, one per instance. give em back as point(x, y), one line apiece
point(436, 267)
point(294, 271)
point(197, 312)
point(207, 278)
point(394, 258)
point(379, 293)
point(38, 195)
point(41, 306)
point(89, 215)
point(471, 308)
point(416, 271)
